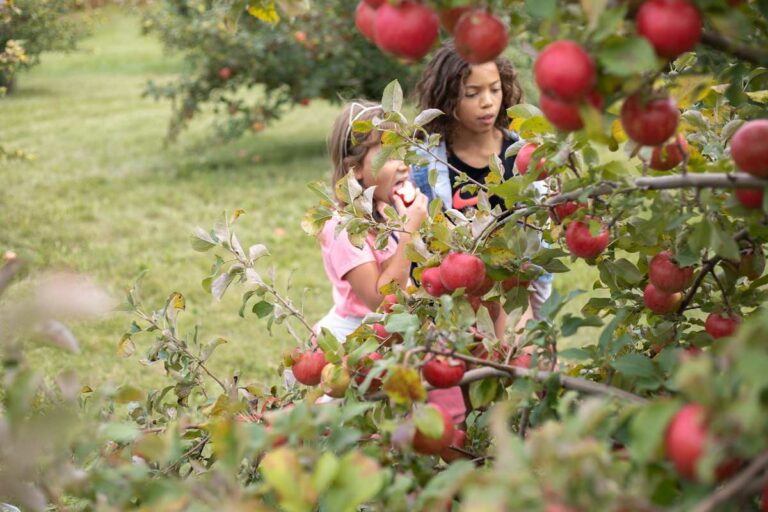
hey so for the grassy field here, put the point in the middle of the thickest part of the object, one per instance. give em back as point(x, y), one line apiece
point(105, 197)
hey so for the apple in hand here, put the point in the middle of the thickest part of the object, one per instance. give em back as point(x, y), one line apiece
point(443, 371)
point(407, 193)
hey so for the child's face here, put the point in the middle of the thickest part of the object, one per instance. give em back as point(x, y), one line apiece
point(389, 178)
point(480, 98)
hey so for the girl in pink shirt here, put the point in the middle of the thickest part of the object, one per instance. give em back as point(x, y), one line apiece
point(357, 274)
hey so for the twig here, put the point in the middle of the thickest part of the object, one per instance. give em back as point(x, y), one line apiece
point(186, 454)
point(722, 291)
point(716, 41)
point(524, 421)
point(735, 485)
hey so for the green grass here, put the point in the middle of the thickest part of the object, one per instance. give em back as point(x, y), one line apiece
point(106, 198)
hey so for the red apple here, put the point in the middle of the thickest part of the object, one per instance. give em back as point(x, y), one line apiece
point(364, 366)
point(449, 17)
point(459, 270)
point(225, 73)
point(719, 326)
point(365, 17)
point(459, 440)
point(427, 445)
point(407, 193)
point(443, 372)
point(407, 30)
point(493, 307)
point(748, 147)
point(565, 115)
point(673, 27)
point(564, 210)
point(387, 302)
point(334, 380)
point(430, 281)
point(581, 243)
point(661, 302)
point(309, 367)
point(480, 37)
point(565, 70)
point(522, 361)
point(666, 275)
point(670, 155)
point(523, 160)
point(650, 122)
point(750, 197)
point(684, 439)
point(385, 336)
point(304, 102)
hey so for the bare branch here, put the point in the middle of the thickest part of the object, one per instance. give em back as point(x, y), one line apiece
point(735, 486)
point(757, 56)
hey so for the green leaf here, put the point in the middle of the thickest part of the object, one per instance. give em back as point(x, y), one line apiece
point(326, 468)
point(627, 271)
point(427, 116)
point(540, 8)
point(402, 323)
point(359, 479)
point(647, 429)
point(572, 323)
point(392, 99)
point(403, 386)
point(330, 346)
point(429, 421)
point(263, 308)
point(445, 483)
point(575, 354)
point(220, 285)
point(626, 57)
point(482, 392)
point(201, 240)
point(723, 244)
point(119, 432)
point(634, 365)
point(381, 158)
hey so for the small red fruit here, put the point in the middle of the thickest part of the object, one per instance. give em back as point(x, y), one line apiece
point(719, 326)
point(684, 439)
point(304, 102)
point(449, 17)
point(666, 275)
point(748, 148)
point(444, 372)
point(387, 302)
point(565, 115)
point(459, 270)
point(673, 27)
point(385, 336)
point(523, 160)
point(427, 445)
point(407, 30)
point(459, 440)
point(750, 197)
point(480, 37)
point(661, 302)
point(522, 361)
point(430, 281)
point(309, 367)
point(581, 243)
point(652, 122)
point(225, 73)
point(564, 210)
point(406, 193)
point(365, 17)
point(669, 155)
point(364, 366)
point(565, 70)
point(300, 37)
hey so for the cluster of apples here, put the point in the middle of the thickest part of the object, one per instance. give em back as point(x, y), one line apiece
point(409, 29)
point(663, 294)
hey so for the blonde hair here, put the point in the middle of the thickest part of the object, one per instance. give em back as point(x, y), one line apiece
point(347, 148)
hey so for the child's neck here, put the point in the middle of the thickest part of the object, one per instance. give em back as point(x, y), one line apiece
point(485, 143)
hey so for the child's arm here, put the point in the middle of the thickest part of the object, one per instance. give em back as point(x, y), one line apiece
point(367, 279)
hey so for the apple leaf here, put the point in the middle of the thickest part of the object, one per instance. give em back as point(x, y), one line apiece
point(482, 392)
point(428, 115)
point(647, 429)
point(201, 240)
point(429, 421)
point(627, 56)
point(446, 483)
point(404, 386)
point(392, 99)
point(635, 365)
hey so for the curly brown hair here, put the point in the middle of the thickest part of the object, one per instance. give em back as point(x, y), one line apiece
point(440, 87)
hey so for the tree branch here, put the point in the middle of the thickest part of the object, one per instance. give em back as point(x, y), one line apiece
point(716, 41)
point(734, 486)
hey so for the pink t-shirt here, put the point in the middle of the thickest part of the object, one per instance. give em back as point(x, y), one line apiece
point(339, 257)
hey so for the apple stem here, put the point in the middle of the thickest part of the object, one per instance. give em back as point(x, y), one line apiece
point(572, 165)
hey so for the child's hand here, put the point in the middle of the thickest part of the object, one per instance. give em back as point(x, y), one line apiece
point(415, 213)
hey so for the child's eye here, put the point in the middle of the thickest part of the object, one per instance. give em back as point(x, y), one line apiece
point(470, 94)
